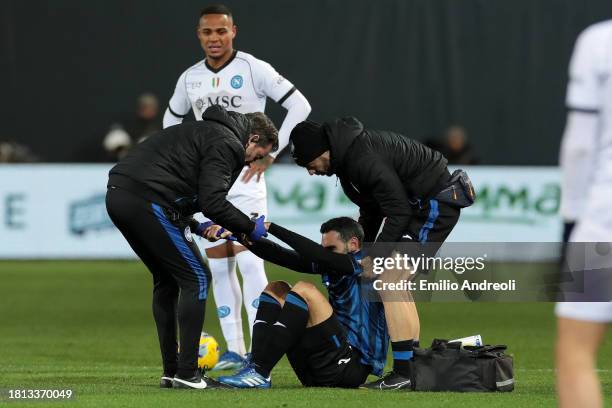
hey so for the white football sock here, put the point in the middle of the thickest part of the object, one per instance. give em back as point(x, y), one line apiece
point(228, 298)
point(254, 281)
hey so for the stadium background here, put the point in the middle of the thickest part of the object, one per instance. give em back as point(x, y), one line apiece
point(416, 66)
point(67, 68)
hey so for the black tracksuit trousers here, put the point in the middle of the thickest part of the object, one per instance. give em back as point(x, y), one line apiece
point(180, 276)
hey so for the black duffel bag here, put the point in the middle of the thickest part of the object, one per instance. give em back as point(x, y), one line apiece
point(448, 367)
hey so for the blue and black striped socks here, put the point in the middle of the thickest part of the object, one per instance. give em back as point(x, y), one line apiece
point(402, 354)
point(283, 334)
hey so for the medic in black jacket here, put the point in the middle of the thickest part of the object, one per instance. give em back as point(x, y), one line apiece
point(190, 167)
point(153, 193)
point(386, 174)
point(395, 179)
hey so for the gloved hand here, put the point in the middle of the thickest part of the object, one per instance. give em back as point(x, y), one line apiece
point(202, 227)
point(260, 229)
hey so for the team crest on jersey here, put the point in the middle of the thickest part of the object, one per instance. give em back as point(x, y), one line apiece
point(223, 311)
point(236, 81)
point(188, 234)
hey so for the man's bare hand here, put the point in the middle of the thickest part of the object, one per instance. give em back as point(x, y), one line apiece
point(367, 267)
point(257, 168)
point(211, 232)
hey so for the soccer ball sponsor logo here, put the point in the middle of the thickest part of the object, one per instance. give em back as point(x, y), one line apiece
point(223, 311)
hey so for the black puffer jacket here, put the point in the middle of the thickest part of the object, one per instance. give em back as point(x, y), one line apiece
point(384, 173)
point(190, 167)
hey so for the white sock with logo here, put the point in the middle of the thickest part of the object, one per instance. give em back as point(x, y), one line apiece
point(254, 281)
point(228, 298)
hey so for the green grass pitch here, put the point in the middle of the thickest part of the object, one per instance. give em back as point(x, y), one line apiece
point(87, 326)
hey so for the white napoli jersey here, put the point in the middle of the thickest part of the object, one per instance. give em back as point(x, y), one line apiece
point(590, 90)
point(242, 85)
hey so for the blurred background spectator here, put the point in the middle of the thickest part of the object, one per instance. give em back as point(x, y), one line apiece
point(13, 152)
point(134, 128)
point(454, 146)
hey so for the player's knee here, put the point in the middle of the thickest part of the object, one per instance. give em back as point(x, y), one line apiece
point(277, 289)
point(305, 289)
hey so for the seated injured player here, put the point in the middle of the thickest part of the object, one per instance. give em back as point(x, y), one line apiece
point(333, 342)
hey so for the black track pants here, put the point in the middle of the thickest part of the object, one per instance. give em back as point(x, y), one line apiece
point(180, 276)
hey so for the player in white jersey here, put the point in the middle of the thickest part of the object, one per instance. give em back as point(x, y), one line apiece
point(586, 163)
point(239, 82)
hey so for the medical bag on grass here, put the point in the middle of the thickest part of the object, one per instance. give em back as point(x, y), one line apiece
point(446, 366)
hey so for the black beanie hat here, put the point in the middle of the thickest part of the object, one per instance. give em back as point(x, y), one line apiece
point(309, 142)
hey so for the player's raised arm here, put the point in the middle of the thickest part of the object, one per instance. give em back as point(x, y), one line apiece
point(178, 106)
point(270, 83)
point(283, 92)
point(327, 260)
point(287, 258)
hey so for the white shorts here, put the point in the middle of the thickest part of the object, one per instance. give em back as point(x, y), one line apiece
point(250, 198)
point(594, 228)
point(597, 312)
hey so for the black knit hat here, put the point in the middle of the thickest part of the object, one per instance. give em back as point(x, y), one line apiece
point(309, 142)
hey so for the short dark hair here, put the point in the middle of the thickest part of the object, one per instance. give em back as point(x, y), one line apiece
point(264, 127)
point(346, 227)
point(216, 9)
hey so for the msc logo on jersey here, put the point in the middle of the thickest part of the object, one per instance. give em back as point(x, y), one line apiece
point(236, 81)
point(225, 100)
point(223, 311)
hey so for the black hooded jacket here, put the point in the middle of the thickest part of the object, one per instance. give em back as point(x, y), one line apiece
point(384, 173)
point(190, 167)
